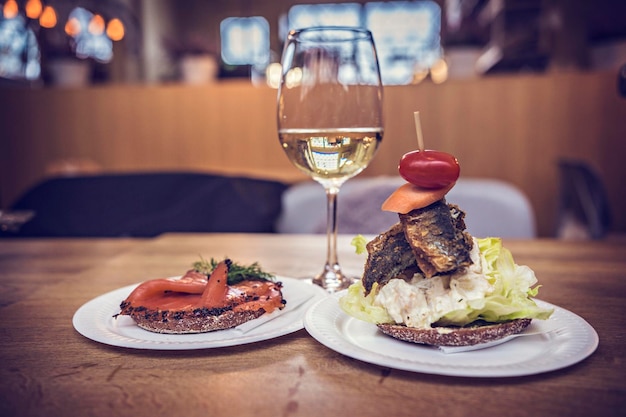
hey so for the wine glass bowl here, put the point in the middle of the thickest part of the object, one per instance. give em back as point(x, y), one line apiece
point(330, 115)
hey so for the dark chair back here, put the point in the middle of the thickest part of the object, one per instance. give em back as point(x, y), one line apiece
point(584, 206)
point(148, 204)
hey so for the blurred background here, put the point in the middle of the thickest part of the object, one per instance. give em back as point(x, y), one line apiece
point(152, 41)
point(511, 87)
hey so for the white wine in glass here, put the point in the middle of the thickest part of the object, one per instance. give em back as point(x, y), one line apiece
point(330, 119)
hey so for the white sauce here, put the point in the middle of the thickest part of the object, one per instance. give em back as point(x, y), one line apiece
point(424, 301)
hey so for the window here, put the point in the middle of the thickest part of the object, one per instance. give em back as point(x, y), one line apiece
point(406, 33)
point(306, 15)
point(92, 42)
point(245, 41)
point(407, 36)
point(19, 50)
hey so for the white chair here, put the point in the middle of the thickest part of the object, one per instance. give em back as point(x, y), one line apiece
point(492, 207)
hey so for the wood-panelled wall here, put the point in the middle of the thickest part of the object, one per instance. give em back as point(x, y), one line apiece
point(513, 128)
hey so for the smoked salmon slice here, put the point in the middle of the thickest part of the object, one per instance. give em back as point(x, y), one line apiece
point(166, 304)
point(214, 294)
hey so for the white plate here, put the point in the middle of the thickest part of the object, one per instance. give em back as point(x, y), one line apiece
point(95, 321)
point(529, 355)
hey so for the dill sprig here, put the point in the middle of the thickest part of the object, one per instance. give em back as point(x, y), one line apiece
point(236, 272)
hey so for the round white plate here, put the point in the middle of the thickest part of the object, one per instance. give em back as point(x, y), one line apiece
point(327, 323)
point(95, 320)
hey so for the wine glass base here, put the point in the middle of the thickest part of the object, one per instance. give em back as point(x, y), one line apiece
point(333, 280)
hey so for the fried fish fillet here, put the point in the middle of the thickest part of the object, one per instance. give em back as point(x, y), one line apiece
point(436, 235)
point(429, 240)
point(389, 256)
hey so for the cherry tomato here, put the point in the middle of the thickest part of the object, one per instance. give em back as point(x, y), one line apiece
point(429, 169)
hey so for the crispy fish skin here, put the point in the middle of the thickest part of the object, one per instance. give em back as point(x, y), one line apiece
point(389, 256)
point(437, 237)
point(435, 232)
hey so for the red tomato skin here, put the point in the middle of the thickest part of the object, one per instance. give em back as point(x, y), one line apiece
point(429, 169)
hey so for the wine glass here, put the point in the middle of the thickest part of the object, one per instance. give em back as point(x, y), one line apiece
point(330, 120)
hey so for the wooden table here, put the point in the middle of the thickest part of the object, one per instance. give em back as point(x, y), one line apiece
point(48, 369)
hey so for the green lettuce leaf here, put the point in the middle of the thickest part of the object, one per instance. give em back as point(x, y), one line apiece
point(358, 305)
point(359, 242)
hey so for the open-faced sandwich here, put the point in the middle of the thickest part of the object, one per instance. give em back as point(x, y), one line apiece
point(210, 296)
point(427, 280)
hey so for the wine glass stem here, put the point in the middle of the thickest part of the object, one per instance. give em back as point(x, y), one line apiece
point(331, 229)
point(332, 278)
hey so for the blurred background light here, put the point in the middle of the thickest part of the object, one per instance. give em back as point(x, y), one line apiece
point(48, 17)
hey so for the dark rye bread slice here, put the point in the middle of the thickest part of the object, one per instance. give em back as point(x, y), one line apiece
point(201, 320)
point(455, 336)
